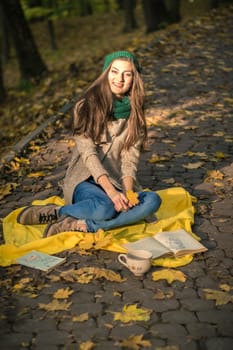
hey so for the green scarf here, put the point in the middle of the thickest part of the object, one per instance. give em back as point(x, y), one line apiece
point(121, 108)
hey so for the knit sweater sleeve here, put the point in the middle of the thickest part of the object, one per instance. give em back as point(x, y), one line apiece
point(87, 150)
point(129, 161)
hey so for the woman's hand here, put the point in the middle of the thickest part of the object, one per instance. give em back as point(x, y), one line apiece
point(120, 201)
point(128, 184)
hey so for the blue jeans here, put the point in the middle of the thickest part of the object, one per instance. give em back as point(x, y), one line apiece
point(91, 203)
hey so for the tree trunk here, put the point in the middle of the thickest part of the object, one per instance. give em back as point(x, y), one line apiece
point(155, 14)
point(120, 4)
point(51, 31)
point(2, 89)
point(4, 38)
point(173, 10)
point(130, 21)
point(85, 8)
point(30, 63)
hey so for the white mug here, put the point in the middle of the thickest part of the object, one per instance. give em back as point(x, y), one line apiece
point(137, 261)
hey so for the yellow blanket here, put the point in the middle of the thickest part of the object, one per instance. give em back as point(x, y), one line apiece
point(176, 212)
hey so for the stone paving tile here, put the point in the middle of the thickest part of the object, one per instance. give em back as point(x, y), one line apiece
point(125, 331)
point(51, 337)
point(15, 341)
point(192, 108)
point(178, 316)
point(219, 343)
point(201, 330)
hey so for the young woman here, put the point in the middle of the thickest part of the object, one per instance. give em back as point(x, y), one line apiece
point(109, 129)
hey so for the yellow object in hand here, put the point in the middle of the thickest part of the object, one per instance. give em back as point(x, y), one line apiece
point(132, 197)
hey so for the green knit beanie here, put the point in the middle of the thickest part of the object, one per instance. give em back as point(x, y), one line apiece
point(118, 54)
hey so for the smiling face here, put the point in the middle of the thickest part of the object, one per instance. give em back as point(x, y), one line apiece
point(120, 77)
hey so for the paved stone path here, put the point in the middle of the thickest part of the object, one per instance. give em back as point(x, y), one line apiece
point(189, 80)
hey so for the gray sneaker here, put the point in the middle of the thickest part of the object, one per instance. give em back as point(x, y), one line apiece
point(66, 223)
point(39, 214)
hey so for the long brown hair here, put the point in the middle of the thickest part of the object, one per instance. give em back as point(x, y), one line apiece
point(93, 110)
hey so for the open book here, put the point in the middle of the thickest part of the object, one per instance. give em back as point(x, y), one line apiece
point(168, 244)
point(40, 261)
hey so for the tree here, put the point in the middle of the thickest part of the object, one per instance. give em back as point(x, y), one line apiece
point(173, 10)
point(2, 89)
point(158, 13)
point(30, 62)
point(130, 21)
point(39, 10)
point(86, 8)
point(4, 38)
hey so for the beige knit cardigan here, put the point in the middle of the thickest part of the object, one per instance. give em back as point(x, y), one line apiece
point(107, 157)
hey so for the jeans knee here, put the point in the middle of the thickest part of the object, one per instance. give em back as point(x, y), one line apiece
point(153, 201)
point(103, 211)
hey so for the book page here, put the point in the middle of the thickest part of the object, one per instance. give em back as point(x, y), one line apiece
point(150, 244)
point(180, 241)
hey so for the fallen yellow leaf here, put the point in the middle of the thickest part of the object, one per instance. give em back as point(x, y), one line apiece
point(63, 293)
point(214, 175)
point(88, 242)
point(132, 313)
point(169, 181)
point(168, 347)
point(38, 174)
point(151, 121)
point(198, 154)
point(193, 165)
point(14, 165)
point(85, 278)
point(225, 287)
point(220, 297)
point(156, 158)
point(21, 284)
point(169, 275)
point(81, 318)
point(87, 274)
point(220, 155)
point(135, 342)
point(55, 305)
point(35, 148)
point(87, 345)
point(96, 240)
point(190, 127)
point(228, 99)
point(102, 239)
point(22, 160)
point(116, 294)
point(25, 287)
point(7, 189)
point(168, 141)
point(218, 134)
point(163, 295)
